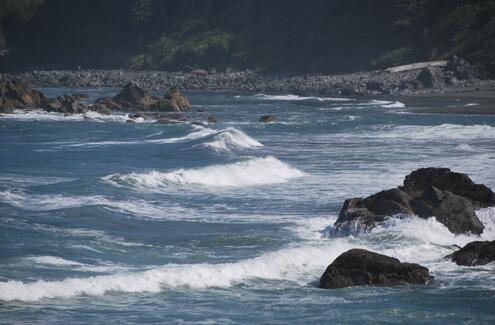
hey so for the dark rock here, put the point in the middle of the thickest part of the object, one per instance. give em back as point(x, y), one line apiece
point(364, 214)
point(445, 179)
point(475, 253)
point(374, 85)
point(268, 119)
point(431, 78)
point(16, 95)
point(65, 104)
point(211, 120)
point(453, 211)
point(361, 267)
point(428, 192)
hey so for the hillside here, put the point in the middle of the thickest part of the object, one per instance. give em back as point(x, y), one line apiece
point(269, 35)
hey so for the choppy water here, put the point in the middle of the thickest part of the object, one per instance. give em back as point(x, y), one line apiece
point(106, 221)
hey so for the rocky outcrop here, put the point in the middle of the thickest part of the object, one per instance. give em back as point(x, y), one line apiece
point(16, 95)
point(432, 77)
point(68, 104)
point(134, 98)
point(445, 179)
point(475, 253)
point(361, 267)
point(428, 192)
point(175, 101)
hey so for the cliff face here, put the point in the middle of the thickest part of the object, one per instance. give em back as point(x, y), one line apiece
point(271, 35)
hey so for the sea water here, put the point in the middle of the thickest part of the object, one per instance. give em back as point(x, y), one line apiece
point(106, 221)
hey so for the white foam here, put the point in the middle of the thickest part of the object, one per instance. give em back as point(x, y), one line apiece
point(429, 132)
point(52, 260)
point(26, 181)
point(231, 137)
point(472, 104)
point(41, 115)
point(393, 105)
point(295, 265)
point(198, 132)
point(255, 171)
point(290, 97)
point(465, 147)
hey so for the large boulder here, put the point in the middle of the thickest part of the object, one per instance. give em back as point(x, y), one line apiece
point(16, 95)
point(445, 179)
point(475, 253)
point(361, 267)
point(428, 192)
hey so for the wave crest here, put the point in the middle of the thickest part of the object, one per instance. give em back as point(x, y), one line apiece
point(256, 171)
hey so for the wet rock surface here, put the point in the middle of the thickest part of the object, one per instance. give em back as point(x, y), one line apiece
point(358, 267)
point(427, 192)
point(475, 253)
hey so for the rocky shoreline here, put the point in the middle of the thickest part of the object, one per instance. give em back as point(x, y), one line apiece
point(455, 76)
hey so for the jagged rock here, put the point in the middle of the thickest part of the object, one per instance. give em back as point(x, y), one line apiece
point(475, 253)
point(361, 267)
point(445, 179)
point(268, 119)
point(428, 192)
point(65, 104)
point(454, 211)
point(431, 77)
point(134, 98)
point(16, 95)
point(175, 101)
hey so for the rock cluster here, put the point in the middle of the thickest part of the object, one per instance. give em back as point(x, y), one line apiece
point(361, 267)
point(134, 98)
point(427, 192)
point(456, 74)
point(16, 95)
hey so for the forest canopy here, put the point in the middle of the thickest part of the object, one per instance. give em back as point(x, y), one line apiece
point(328, 36)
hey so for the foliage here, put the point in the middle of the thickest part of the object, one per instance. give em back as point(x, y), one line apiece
point(273, 35)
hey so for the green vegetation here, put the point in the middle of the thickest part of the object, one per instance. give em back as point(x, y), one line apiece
point(270, 35)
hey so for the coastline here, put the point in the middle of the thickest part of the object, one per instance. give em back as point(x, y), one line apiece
point(470, 96)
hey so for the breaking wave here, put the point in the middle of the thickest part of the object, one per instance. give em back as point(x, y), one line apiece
point(255, 171)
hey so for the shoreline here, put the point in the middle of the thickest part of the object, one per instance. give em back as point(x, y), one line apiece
point(471, 96)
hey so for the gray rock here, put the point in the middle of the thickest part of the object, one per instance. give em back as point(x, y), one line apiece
point(358, 267)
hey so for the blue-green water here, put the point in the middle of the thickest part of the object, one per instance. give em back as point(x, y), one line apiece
point(106, 221)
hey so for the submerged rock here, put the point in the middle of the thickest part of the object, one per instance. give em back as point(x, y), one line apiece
point(427, 192)
point(267, 119)
point(361, 267)
point(475, 253)
point(16, 95)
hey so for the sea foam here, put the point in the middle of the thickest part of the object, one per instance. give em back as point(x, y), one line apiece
point(255, 171)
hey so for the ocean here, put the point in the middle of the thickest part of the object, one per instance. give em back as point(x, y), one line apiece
point(103, 221)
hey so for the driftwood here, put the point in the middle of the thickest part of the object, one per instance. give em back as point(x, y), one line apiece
point(416, 66)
